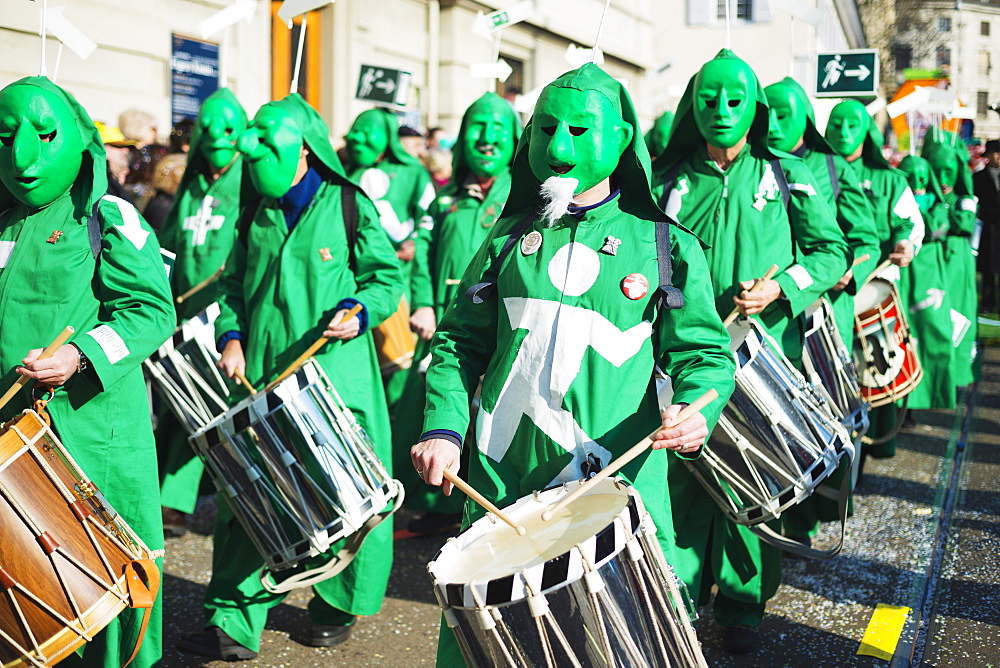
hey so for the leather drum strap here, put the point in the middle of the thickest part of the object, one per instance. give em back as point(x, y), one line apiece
point(142, 578)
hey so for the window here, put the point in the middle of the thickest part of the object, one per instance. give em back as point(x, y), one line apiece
point(944, 24)
point(943, 57)
point(902, 57)
point(738, 9)
point(984, 28)
point(984, 63)
point(982, 103)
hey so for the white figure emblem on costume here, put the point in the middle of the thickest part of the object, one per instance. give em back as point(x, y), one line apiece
point(203, 222)
point(376, 183)
point(767, 189)
point(549, 360)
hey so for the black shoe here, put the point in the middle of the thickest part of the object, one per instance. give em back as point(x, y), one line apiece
point(432, 524)
point(326, 635)
point(740, 639)
point(215, 643)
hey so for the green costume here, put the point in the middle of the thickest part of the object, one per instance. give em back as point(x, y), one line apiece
point(656, 138)
point(119, 304)
point(464, 213)
point(897, 218)
point(279, 290)
point(923, 286)
point(946, 158)
point(568, 339)
point(200, 230)
point(741, 214)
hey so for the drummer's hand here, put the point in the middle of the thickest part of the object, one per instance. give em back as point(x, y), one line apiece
point(423, 322)
point(232, 359)
point(844, 280)
point(55, 370)
point(902, 253)
point(685, 437)
point(344, 331)
point(755, 302)
point(433, 456)
point(406, 251)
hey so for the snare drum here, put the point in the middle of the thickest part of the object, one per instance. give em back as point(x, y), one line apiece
point(829, 365)
point(884, 353)
point(394, 342)
point(299, 473)
point(589, 587)
point(777, 438)
point(64, 551)
point(185, 372)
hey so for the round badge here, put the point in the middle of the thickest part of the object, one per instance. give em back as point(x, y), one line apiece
point(635, 286)
point(531, 243)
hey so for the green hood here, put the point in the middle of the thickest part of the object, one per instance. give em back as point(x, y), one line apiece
point(394, 152)
point(316, 136)
point(92, 182)
point(657, 136)
point(501, 110)
point(939, 140)
point(907, 164)
point(633, 173)
point(196, 163)
point(871, 153)
point(685, 137)
point(813, 137)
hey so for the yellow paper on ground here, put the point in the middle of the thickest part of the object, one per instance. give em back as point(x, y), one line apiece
point(884, 629)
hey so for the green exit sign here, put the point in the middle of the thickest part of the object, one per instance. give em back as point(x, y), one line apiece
point(847, 73)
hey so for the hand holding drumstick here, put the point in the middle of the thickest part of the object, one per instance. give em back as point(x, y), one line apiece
point(757, 294)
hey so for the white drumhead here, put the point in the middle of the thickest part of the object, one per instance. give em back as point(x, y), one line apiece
point(490, 550)
point(871, 294)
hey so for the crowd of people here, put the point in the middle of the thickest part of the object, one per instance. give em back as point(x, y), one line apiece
point(546, 273)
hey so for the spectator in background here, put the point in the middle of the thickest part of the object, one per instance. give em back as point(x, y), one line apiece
point(138, 126)
point(118, 151)
point(986, 183)
point(438, 163)
point(165, 181)
point(180, 137)
point(436, 139)
point(413, 142)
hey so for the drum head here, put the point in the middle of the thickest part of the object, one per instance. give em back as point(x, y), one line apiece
point(871, 294)
point(489, 552)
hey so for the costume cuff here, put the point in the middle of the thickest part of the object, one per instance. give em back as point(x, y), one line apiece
point(231, 335)
point(446, 434)
point(348, 304)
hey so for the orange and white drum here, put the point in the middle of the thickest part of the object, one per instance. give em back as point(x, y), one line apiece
point(884, 353)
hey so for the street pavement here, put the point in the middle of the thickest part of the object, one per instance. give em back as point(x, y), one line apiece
point(925, 535)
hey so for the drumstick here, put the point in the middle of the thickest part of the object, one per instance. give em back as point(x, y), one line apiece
point(243, 379)
point(47, 353)
point(482, 500)
point(201, 286)
point(632, 453)
point(311, 350)
point(756, 286)
point(859, 260)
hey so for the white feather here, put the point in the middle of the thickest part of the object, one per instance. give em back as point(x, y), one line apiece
point(557, 191)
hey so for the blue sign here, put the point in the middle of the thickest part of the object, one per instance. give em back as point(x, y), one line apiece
point(194, 75)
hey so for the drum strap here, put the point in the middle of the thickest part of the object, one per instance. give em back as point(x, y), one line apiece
point(834, 180)
point(779, 176)
point(142, 578)
point(481, 291)
point(349, 208)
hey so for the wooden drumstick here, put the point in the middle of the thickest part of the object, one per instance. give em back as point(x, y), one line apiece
point(756, 286)
point(482, 500)
point(312, 350)
point(859, 260)
point(632, 453)
point(47, 353)
point(244, 381)
point(201, 286)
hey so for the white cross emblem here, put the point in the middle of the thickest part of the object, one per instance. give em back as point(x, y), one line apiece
point(203, 222)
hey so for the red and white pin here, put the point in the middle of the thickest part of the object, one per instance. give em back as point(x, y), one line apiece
point(635, 286)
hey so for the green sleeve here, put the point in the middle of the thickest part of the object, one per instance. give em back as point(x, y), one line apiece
point(854, 214)
point(823, 256)
point(376, 267)
point(232, 307)
point(963, 217)
point(421, 276)
point(464, 343)
point(692, 345)
point(137, 312)
point(423, 198)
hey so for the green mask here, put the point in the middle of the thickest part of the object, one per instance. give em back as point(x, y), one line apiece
point(222, 121)
point(787, 118)
point(848, 126)
point(271, 146)
point(576, 134)
point(41, 152)
point(725, 101)
point(367, 139)
point(945, 166)
point(488, 142)
point(656, 139)
point(918, 173)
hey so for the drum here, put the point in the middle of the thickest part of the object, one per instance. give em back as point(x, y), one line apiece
point(884, 353)
point(777, 439)
point(394, 342)
point(185, 373)
point(589, 587)
point(829, 366)
point(65, 555)
point(299, 473)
